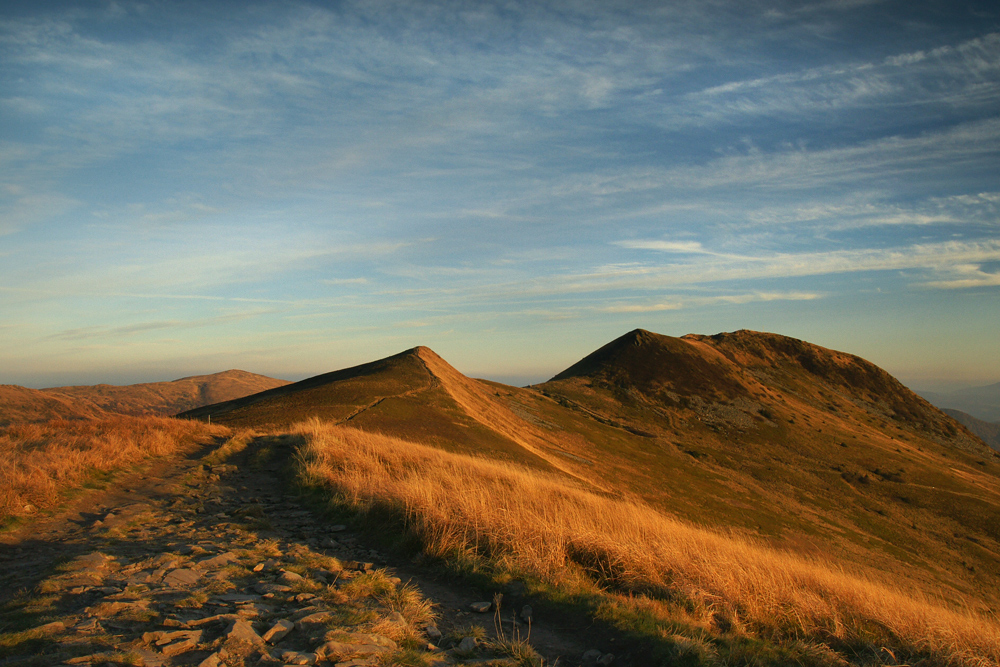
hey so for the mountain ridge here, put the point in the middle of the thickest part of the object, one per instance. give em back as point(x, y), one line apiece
point(148, 398)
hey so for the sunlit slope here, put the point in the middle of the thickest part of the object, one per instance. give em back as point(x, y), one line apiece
point(168, 398)
point(813, 450)
point(817, 450)
point(21, 404)
point(414, 393)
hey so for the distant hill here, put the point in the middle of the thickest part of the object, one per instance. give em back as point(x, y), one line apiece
point(988, 432)
point(153, 398)
point(168, 398)
point(809, 449)
point(980, 402)
point(20, 404)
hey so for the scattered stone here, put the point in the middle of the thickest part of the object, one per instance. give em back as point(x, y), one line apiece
point(265, 588)
point(290, 657)
point(313, 621)
point(218, 618)
point(89, 626)
point(468, 644)
point(214, 562)
point(590, 657)
point(242, 631)
point(175, 643)
point(526, 613)
point(237, 597)
point(267, 566)
point(432, 632)
point(214, 660)
point(397, 618)
point(480, 607)
point(306, 611)
point(29, 509)
point(338, 528)
point(290, 578)
point(606, 659)
point(181, 578)
point(278, 631)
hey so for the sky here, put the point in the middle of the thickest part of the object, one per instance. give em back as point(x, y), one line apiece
point(293, 188)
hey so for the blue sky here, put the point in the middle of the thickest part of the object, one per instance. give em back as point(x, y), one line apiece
point(291, 188)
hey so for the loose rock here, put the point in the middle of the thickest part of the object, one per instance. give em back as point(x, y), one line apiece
point(278, 631)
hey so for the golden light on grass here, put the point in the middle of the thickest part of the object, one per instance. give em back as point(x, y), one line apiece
point(543, 524)
point(38, 461)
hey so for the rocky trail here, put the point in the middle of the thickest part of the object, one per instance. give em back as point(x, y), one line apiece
point(208, 560)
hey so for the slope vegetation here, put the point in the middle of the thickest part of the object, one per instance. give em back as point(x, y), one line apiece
point(811, 451)
point(414, 393)
point(699, 597)
point(20, 404)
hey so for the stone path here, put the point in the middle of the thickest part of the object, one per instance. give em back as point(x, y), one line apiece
point(204, 563)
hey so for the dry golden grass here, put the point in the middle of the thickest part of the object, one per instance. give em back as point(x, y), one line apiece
point(532, 522)
point(38, 461)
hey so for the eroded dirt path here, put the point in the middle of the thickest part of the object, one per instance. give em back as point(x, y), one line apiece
point(204, 560)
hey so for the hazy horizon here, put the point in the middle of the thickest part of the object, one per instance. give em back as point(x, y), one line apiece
point(292, 189)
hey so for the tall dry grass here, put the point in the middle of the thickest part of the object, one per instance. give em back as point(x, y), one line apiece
point(38, 461)
point(538, 523)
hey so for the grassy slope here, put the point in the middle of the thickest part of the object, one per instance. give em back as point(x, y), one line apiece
point(687, 595)
point(817, 452)
point(20, 405)
point(168, 398)
point(39, 462)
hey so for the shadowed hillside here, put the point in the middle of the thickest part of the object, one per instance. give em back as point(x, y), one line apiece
point(988, 432)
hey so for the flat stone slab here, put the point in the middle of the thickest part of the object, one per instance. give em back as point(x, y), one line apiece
point(242, 631)
point(215, 562)
point(237, 597)
point(181, 578)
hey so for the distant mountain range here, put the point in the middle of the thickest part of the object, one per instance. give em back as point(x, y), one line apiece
point(807, 448)
point(981, 402)
point(159, 398)
point(988, 432)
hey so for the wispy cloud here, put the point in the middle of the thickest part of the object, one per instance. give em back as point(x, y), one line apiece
point(684, 247)
point(966, 276)
point(111, 333)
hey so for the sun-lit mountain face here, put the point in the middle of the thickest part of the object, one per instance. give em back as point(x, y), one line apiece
point(813, 450)
point(151, 398)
